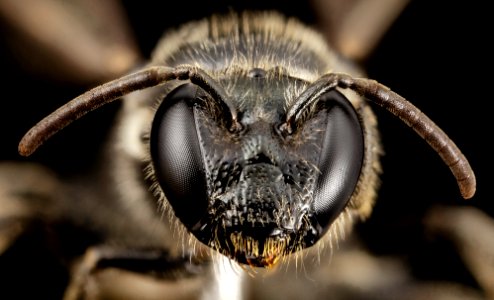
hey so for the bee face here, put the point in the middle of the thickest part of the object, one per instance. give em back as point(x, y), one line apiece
point(255, 193)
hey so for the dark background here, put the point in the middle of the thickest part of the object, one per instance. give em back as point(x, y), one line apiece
point(436, 55)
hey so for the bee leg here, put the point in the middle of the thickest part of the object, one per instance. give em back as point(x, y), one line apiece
point(472, 232)
point(28, 195)
point(83, 43)
point(112, 272)
point(351, 29)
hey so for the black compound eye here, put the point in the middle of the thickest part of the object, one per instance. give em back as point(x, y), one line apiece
point(341, 159)
point(177, 157)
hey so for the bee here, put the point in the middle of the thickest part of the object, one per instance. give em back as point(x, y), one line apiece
point(245, 144)
point(256, 140)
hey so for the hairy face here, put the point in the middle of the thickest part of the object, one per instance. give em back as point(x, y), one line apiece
point(256, 194)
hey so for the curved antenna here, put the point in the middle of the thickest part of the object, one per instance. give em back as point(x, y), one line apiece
point(400, 107)
point(113, 90)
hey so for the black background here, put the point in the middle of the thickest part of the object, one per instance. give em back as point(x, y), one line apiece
point(436, 55)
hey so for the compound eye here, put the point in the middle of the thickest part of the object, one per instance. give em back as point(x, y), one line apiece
point(176, 154)
point(341, 159)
